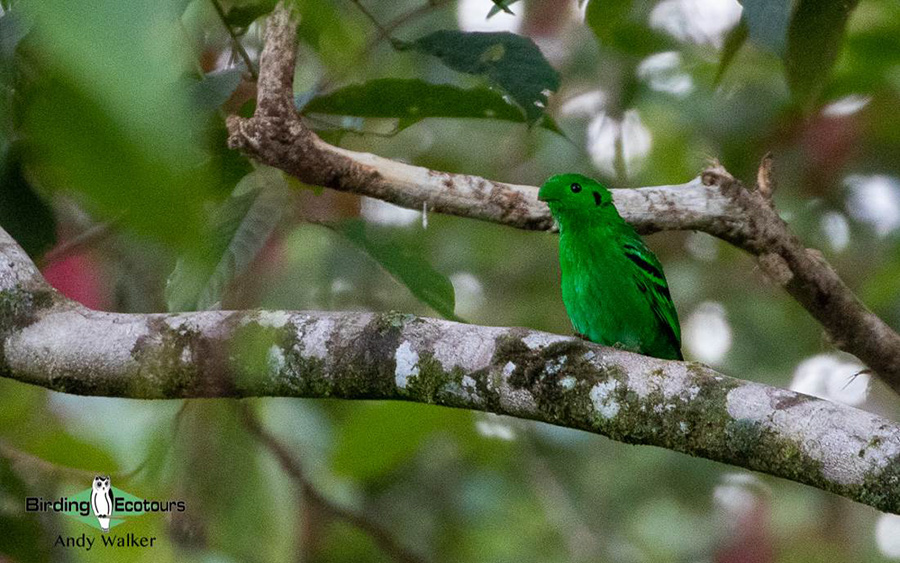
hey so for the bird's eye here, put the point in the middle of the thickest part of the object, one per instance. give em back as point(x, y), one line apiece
point(576, 187)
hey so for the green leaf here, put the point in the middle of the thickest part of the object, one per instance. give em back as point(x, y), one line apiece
point(405, 265)
point(501, 5)
point(814, 43)
point(216, 87)
point(767, 22)
point(868, 59)
point(376, 438)
point(240, 229)
point(510, 61)
point(616, 26)
point(733, 43)
point(414, 100)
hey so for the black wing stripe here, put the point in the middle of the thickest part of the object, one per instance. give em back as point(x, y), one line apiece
point(646, 266)
point(661, 320)
point(667, 329)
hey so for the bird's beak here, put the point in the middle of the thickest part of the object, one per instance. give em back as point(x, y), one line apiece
point(544, 198)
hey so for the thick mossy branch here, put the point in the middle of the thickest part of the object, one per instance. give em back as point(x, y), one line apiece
point(715, 203)
point(682, 406)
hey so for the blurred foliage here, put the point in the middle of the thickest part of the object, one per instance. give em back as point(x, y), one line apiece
point(408, 267)
point(239, 230)
point(814, 43)
point(105, 116)
point(622, 25)
point(112, 112)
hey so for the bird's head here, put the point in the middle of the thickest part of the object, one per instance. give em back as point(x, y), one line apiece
point(574, 192)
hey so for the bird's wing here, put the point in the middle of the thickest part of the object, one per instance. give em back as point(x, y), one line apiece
point(652, 282)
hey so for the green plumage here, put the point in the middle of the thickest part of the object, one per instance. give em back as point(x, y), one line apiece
point(613, 286)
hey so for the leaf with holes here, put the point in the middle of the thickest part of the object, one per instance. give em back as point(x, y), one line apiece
point(405, 265)
point(509, 61)
point(239, 230)
point(414, 100)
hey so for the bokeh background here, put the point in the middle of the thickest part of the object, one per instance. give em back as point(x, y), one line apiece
point(115, 177)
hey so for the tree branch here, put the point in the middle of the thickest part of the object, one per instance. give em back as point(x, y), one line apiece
point(716, 203)
point(55, 343)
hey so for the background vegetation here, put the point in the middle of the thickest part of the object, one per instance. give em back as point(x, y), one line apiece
point(115, 176)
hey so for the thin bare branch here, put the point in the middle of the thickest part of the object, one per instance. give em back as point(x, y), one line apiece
point(85, 240)
point(235, 40)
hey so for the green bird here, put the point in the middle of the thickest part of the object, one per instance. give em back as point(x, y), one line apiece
point(613, 286)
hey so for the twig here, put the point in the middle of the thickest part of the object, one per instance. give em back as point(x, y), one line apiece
point(291, 465)
point(384, 32)
point(404, 19)
point(236, 40)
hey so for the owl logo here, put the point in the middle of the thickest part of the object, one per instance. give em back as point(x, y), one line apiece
point(102, 500)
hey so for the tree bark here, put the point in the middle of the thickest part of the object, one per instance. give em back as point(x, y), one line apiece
point(55, 343)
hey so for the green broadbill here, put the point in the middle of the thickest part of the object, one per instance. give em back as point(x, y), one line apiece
point(613, 286)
